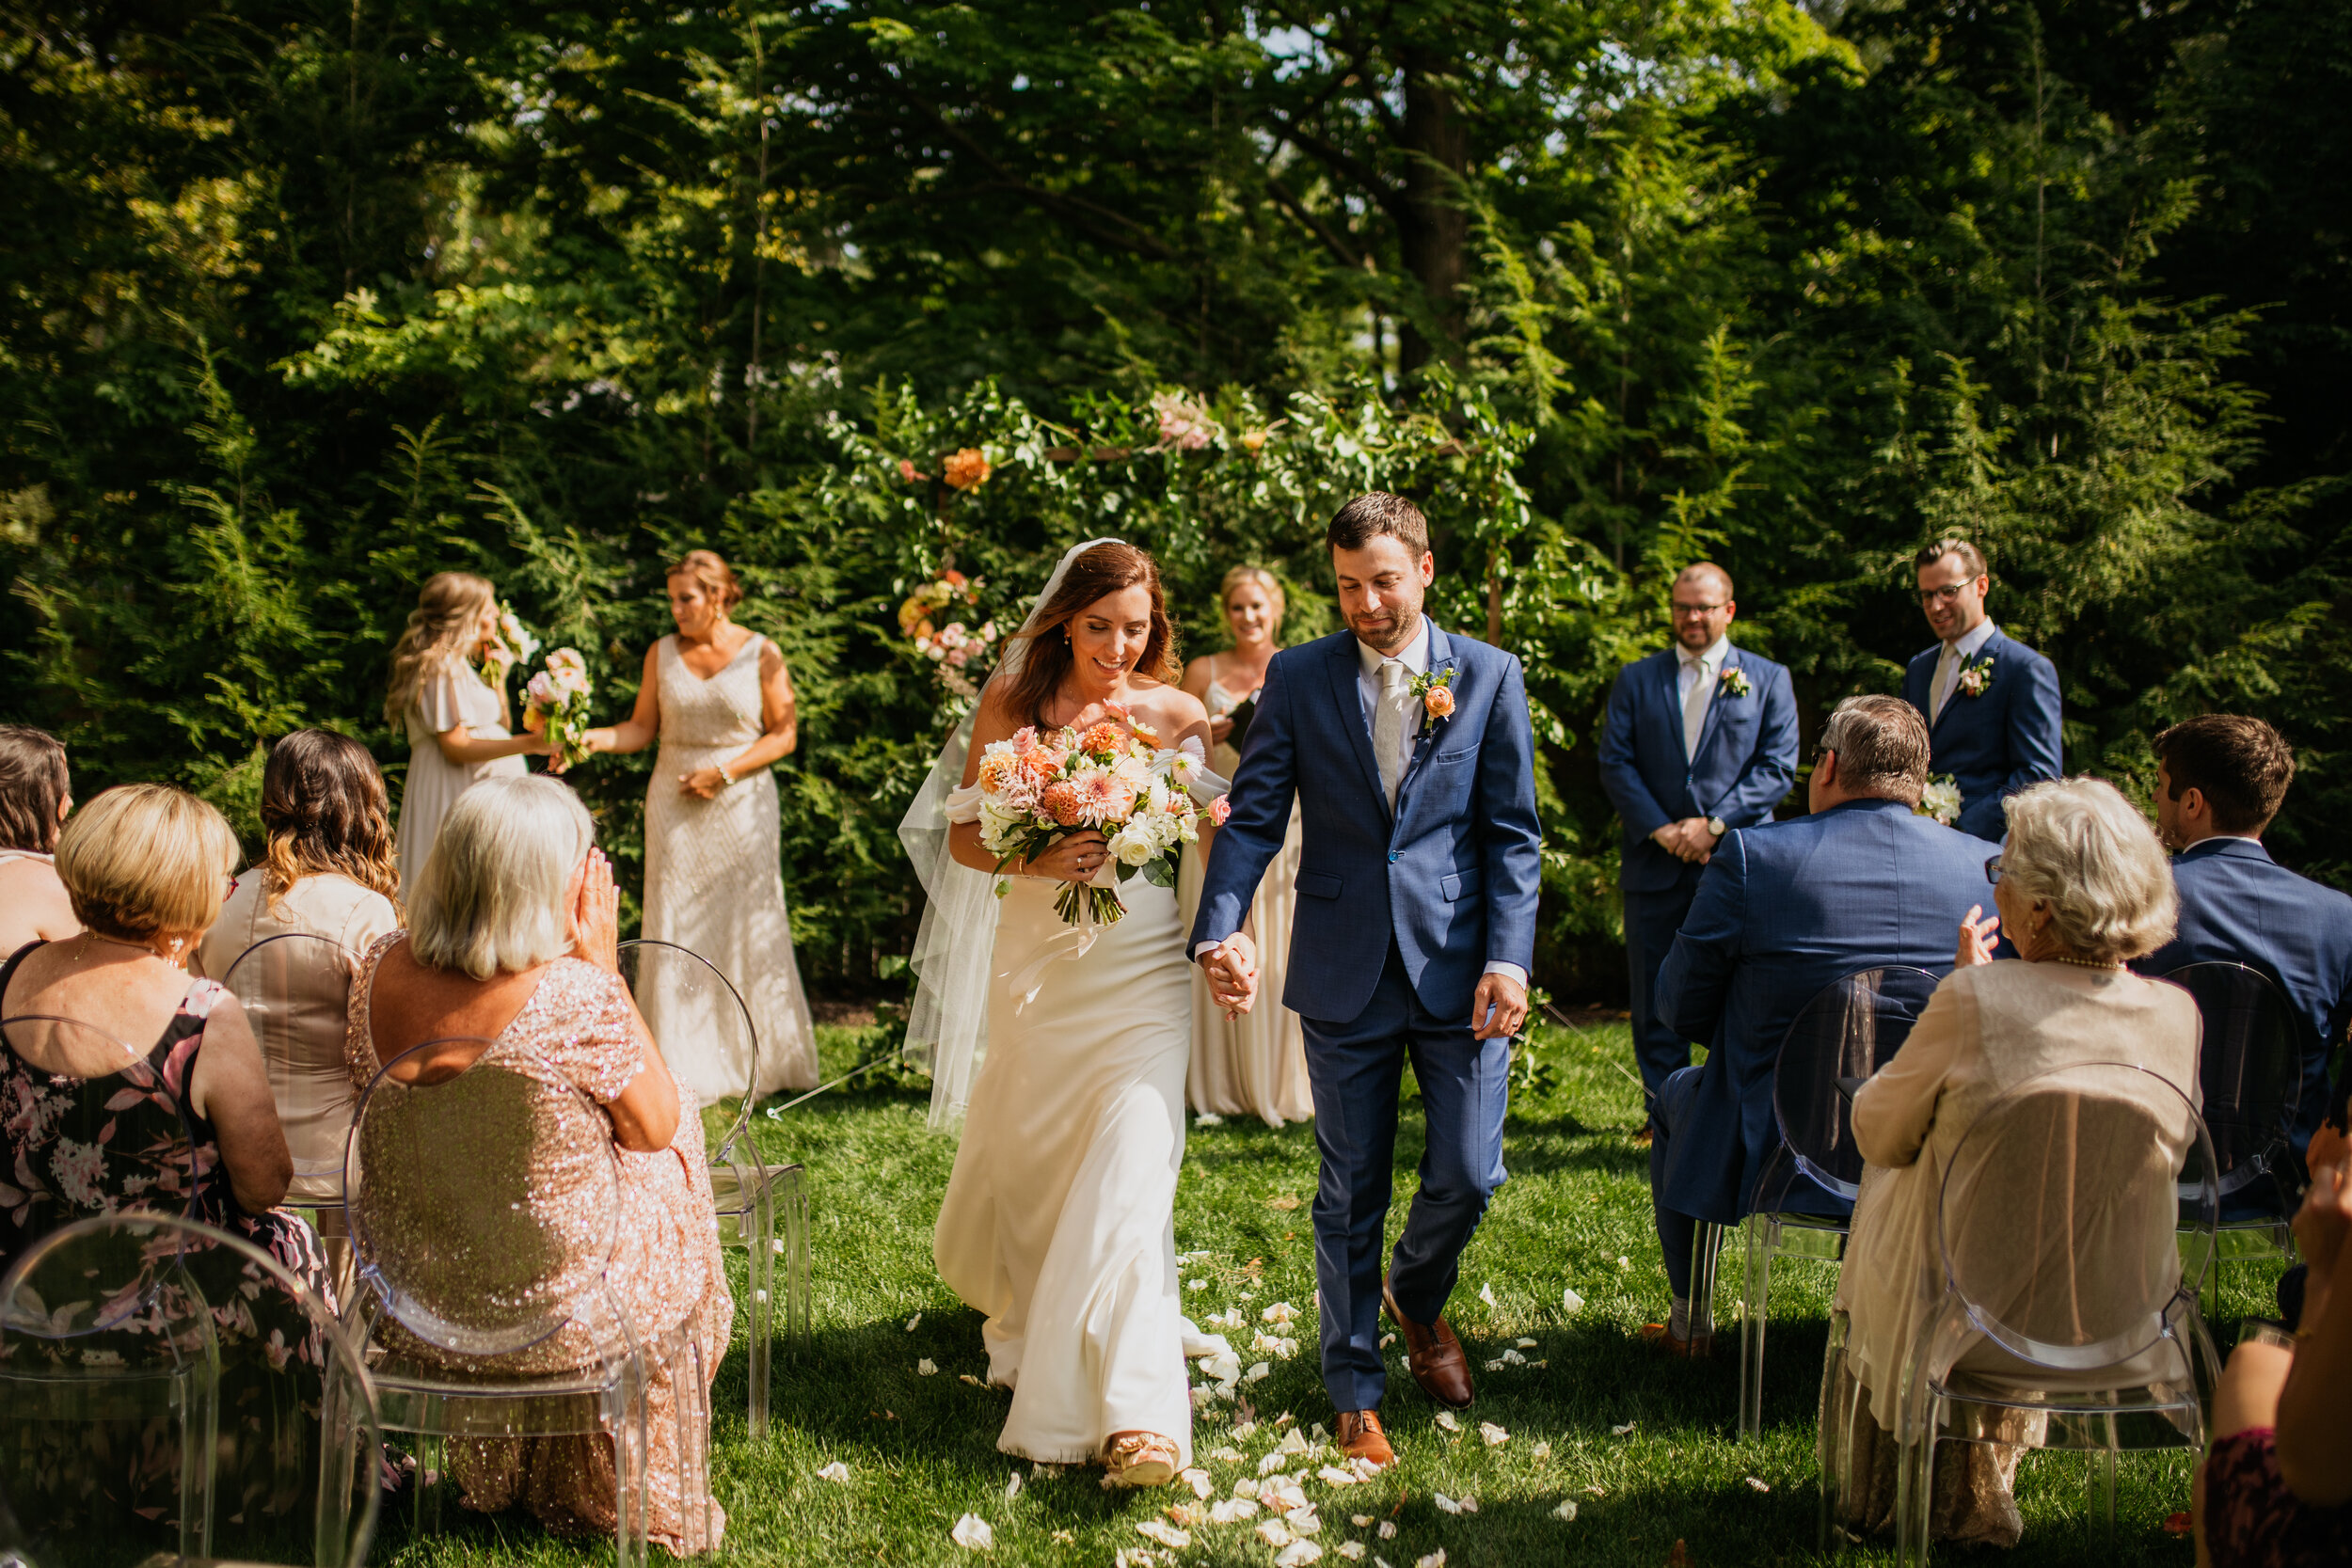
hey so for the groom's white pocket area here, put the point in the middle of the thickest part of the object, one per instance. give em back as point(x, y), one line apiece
point(1318, 884)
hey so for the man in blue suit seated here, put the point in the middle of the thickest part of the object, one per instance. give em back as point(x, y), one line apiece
point(1783, 912)
point(1991, 704)
point(1700, 738)
point(2219, 781)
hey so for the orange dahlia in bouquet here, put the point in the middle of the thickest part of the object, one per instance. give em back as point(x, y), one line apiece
point(1038, 788)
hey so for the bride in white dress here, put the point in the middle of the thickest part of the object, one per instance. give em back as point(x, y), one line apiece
point(717, 698)
point(1058, 1223)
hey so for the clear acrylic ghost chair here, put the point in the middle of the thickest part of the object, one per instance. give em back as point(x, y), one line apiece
point(296, 989)
point(2069, 1318)
point(128, 1343)
point(2250, 1073)
point(484, 1197)
point(683, 996)
point(1804, 1192)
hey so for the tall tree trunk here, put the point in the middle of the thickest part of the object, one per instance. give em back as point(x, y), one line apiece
point(1435, 233)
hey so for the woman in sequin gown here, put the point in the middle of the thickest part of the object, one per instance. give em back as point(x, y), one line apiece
point(717, 698)
point(575, 1013)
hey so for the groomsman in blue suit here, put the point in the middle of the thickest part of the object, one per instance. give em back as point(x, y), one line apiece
point(2219, 781)
point(1410, 754)
point(1783, 910)
point(1700, 738)
point(1991, 704)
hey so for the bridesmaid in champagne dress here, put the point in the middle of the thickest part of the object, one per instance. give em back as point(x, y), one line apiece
point(718, 699)
point(1255, 1065)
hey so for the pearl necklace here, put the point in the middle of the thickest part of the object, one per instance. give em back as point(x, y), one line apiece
point(2084, 963)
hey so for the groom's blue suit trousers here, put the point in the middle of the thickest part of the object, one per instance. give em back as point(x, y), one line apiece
point(1355, 1069)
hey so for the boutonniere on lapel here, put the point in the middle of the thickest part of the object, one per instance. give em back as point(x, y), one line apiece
point(1435, 687)
point(1733, 682)
point(1976, 676)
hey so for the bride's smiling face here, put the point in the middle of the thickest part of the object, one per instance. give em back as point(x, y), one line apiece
point(1108, 636)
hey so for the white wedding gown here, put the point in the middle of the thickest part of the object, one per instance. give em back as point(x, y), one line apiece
point(1059, 1220)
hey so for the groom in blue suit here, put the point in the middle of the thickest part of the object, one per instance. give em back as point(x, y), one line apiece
point(1990, 703)
point(1700, 738)
point(1411, 755)
point(1784, 910)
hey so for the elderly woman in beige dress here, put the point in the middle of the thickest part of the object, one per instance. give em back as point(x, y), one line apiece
point(455, 720)
point(1254, 1064)
point(2082, 886)
point(328, 878)
point(717, 698)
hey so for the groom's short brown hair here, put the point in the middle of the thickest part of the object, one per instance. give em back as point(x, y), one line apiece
point(1377, 512)
point(2242, 765)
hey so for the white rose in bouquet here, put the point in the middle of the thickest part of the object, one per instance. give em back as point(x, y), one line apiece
point(1136, 843)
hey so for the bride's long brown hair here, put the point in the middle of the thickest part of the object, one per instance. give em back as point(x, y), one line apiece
point(1099, 573)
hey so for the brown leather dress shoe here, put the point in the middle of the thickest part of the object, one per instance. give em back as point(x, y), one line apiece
point(1437, 1358)
point(1659, 1338)
point(1359, 1437)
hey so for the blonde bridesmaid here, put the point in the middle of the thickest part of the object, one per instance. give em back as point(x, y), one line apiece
point(1255, 1065)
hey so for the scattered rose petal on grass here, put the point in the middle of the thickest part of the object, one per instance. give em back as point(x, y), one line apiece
point(1386, 1340)
point(1540, 1452)
point(1063, 1538)
point(1274, 1532)
point(1282, 1495)
point(1012, 1485)
point(1317, 1434)
point(1570, 1302)
point(1565, 1512)
point(1486, 1295)
point(837, 1472)
point(1758, 1485)
point(967, 1377)
point(1332, 1475)
point(1258, 1373)
point(1513, 1358)
point(1387, 1530)
point(973, 1535)
point(1622, 1431)
point(1274, 1464)
point(1362, 1521)
point(1623, 1261)
point(1200, 1483)
point(1294, 1441)
point(1297, 1554)
point(1243, 1431)
point(1304, 1521)
point(1196, 1285)
point(1208, 1119)
point(1527, 1344)
point(1352, 1550)
point(1365, 1469)
point(1282, 1421)
point(927, 1367)
point(1281, 1312)
point(1494, 1365)
point(1435, 1559)
point(1231, 1510)
point(1445, 1419)
point(1493, 1436)
point(1164, 1533)
point(912, 1322)
point(1245, 1487)
point(1445, 1504)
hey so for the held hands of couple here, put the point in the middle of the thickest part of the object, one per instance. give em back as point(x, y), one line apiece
point(1232, 968)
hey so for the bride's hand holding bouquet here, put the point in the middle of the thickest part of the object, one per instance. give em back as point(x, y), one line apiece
point(556, 708)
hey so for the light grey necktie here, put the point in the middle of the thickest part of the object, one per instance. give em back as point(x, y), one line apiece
point(1940, 690)
point(1694, 704)
point(1388, 727)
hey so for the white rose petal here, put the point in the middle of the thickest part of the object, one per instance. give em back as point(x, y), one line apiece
point(1297, 1554)
point(1333, 1476)
point(1352, 1550)
point(835, 1472)
point(1243, 1433)
point(1513, 1358)
point(1494, 1365)
point(1281, 1312)
point(1362, 1521)
point(1387, 1530)
point(1195, 1284)
point(1245, 1487)
point(1570, 1302)
point(1386, 1340)
point(1540, 1452)
point(1274, 1532)
point(1622, 1431)
point(1435, 1559)
point(1226, 1456)
point(1200, 1483)
point(1565, 1512)
point(1258, 1372)
point(912, 1322)
point(1445, 1419)
point(1294, 1441)
point(1208, 1119)
point(1012, 1485)
point(1303, 1521)
point(1445, 1504)
point(1281, 1494)
point(1274, 1464)
point(1232, 1509)
point(973, 1535)
point(1486, 1295)
point(1758, 1485)
point(1494, 1435)
point(1164, 1533)
point(1527, 1344)
point(926, 1367)
point(1623, 1261)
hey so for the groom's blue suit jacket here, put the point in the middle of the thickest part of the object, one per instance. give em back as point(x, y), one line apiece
point(1451, 875)
point(1995, 744)
point(1783, 910)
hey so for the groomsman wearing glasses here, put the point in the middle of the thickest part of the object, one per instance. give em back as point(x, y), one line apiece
point(1990, 703)
point(1700, 738)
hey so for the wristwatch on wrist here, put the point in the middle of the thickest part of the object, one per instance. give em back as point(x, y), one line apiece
point(1717, 826)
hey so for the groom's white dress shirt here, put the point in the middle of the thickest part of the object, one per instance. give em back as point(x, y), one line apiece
point(1961, 648)
point(1694, 688)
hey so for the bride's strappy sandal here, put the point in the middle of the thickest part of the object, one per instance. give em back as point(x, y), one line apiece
point(1141, 1459)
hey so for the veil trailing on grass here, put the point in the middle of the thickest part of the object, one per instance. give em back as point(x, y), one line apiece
point(948, 1025)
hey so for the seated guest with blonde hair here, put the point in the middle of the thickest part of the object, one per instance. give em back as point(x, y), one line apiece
point(511, 937)
point(35, 795)
point(331, 872)
point(2081, 887)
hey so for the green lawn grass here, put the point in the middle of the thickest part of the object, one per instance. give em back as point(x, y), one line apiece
point(921, 1451)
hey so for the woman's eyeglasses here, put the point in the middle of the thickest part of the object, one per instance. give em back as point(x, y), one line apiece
point(1993, 871)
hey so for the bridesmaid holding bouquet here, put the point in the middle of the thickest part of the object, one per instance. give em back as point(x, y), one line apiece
point(717, 697)
point(1254, 1064)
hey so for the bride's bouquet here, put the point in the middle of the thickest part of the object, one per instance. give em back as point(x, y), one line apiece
point(556, 704)
point(519, 640)
point(1035, 789)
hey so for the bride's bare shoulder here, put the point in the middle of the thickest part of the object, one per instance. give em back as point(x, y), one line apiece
point(1170, 709)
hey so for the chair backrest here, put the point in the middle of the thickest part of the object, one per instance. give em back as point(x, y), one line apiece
point(296, 989)
point(75, 1157)
point(684, 998)
point(114, 1321)
point(2250, 1068)
point(1851, 1029)
point(484, 1195)
point(2058, 1211)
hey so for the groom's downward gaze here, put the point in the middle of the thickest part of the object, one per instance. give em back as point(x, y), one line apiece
point(1411, 755)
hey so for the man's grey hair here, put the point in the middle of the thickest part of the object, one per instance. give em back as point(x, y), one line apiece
point(2077, 846)
point(1881, 747)
point(491, 897)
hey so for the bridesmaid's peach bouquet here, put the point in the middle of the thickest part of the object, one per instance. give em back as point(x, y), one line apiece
point(1038, 788)
point(555, 704)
